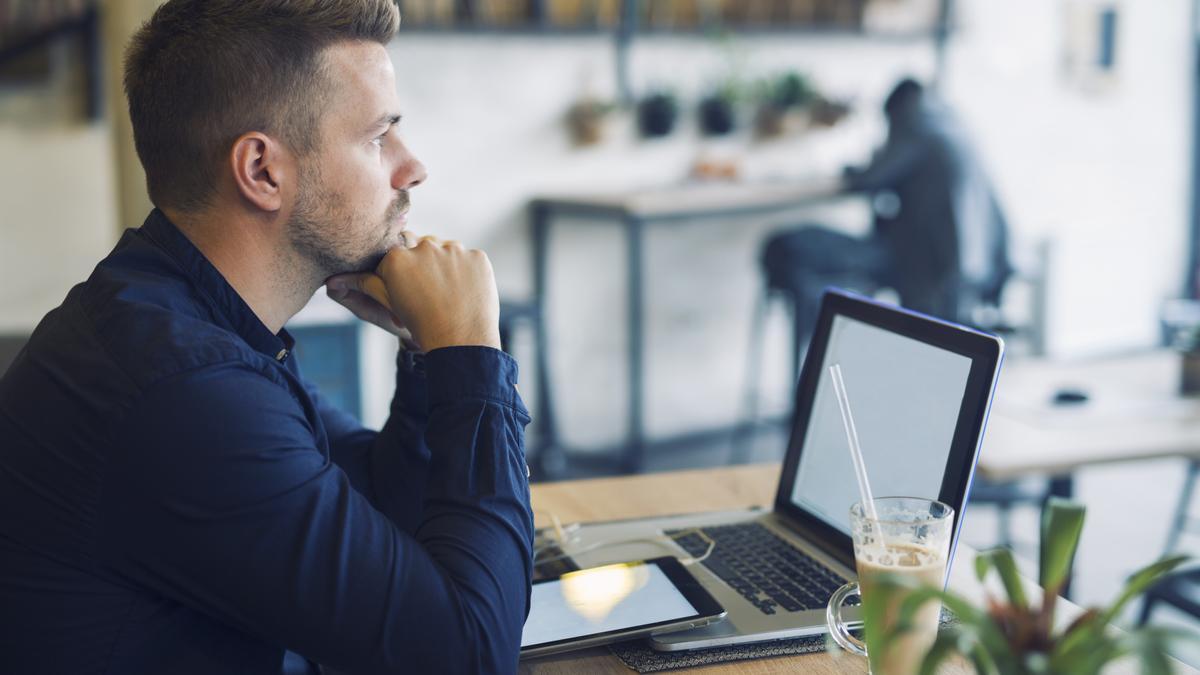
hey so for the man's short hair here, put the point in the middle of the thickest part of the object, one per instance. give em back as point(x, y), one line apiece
point(200, 73)
point(906, 93)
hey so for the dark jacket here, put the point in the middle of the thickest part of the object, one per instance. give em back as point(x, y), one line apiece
point(948, 234)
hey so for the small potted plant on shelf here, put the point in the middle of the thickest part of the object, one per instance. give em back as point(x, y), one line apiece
point(586, 120)
point(718, 110)
point(1019, 635)
point(656, 114)
point(824, 112)
point(777, 98)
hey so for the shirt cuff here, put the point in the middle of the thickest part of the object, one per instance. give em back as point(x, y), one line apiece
point(455, 373)
point(412, 387)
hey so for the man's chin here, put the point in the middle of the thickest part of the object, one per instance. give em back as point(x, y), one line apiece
point(364, 266)
point(371, 263)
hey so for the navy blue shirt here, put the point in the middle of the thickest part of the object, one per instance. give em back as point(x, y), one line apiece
point(175, 498)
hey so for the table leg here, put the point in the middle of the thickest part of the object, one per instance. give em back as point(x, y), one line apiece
point(548, 457)
point(1061, 486)
point(633, 457)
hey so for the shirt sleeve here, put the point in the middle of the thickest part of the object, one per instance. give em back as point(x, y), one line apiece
point(896, 160)
point(391, 466)
point(220, 501)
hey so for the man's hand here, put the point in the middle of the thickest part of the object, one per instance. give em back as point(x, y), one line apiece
point(366, 296)
point(442, 293)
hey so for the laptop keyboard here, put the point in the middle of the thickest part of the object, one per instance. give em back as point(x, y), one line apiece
point(761, 566)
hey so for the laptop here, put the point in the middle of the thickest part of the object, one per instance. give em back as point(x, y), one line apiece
point(919, 388)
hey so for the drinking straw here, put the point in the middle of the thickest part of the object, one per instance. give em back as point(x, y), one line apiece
point(860, 467)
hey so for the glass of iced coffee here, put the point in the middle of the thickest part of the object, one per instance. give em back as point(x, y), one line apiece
point(909, 540)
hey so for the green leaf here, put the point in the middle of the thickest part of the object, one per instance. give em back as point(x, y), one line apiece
point(1081, 636)
point(1092, 661)
point(1140, 581)
point(996, 652)
point(946, 644)
point(1003, 562)
point(984, 663)
point(1096, 644)
point(1088, 656)
point(1150, 646)
point(983, 565)
point(1062, 522)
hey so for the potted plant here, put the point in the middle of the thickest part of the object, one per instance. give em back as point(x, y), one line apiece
point(793, 90)
point(656, 114)
point(825, 112)
point(778, 97)
point(586, 120)
point(717, 112)
point(1019, 636)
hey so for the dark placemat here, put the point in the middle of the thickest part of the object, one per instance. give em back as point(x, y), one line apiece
point(637, 654)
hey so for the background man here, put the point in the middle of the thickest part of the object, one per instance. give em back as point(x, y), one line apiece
point(939, 238)
point(174, 497)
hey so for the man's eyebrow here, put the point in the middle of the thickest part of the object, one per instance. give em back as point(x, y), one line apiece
point(385, 119)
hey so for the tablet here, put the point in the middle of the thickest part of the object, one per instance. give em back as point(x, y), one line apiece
point(611, 603)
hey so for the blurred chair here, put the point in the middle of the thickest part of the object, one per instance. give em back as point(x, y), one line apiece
point(547, 458)
point(329, 353)
point(980, 307)
point(1005, 495)
point(512, 313)
point(993, 312)
point(1180, 590)
point(1023, 333)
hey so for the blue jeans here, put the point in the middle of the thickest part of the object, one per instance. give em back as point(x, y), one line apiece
point(802, 262)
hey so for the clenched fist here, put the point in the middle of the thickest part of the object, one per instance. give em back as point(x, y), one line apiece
point(439, 292)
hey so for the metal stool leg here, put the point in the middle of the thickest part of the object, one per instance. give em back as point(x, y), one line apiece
point(743, 435)
point(1004, 523)
point(1178, 523)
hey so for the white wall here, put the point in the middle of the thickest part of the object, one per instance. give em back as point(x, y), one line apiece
point(57, 218)
point(1104, 170)
point(1104, 173)
point(57, 195)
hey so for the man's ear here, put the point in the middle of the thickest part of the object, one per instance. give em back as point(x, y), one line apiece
point(262, 168)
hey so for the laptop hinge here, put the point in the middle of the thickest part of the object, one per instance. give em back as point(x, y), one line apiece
point(813, 539)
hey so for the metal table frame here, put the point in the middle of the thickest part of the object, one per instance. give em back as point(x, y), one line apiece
point(633, 212)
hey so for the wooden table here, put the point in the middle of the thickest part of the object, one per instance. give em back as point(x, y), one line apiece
point(713, 490)
point(1134, 411)
point(683, 492)
point(633, 211)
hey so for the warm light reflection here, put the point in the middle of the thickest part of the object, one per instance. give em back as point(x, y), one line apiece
point(592, 593)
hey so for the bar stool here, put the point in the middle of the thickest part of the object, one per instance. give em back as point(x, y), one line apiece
point(1178, 589)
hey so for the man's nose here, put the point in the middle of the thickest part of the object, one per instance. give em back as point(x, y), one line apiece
point(409, 173)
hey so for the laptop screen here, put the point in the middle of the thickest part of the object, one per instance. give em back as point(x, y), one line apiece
point(906, 397)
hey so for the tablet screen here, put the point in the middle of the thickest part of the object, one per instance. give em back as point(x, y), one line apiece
point(601, 600)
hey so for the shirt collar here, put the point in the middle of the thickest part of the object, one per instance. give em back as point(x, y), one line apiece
point(228, 307)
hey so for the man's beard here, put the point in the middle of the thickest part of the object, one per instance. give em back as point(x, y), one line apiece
point(320, 234)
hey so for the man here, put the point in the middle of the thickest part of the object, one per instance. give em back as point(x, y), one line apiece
point(939, 238)
point(174, 497)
